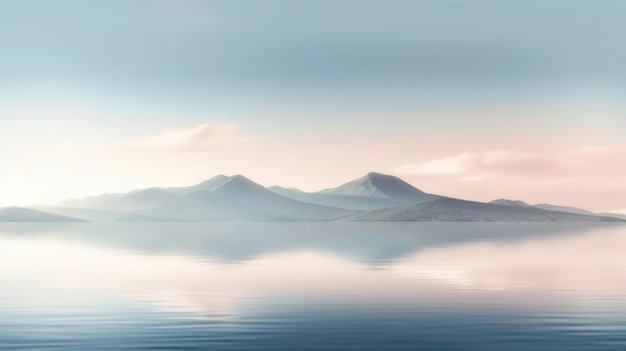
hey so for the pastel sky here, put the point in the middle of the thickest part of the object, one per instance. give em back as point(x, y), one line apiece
point(472, 99)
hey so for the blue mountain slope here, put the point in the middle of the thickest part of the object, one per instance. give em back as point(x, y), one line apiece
point(239, 199)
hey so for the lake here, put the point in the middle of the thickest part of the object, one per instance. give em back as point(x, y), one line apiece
point(313, 286)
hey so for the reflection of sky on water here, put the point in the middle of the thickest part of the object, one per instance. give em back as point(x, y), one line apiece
point(223, 270)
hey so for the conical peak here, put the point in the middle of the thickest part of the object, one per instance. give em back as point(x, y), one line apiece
point(240, 182)
point(379, 185)
point(376, 174)
point(239, 179)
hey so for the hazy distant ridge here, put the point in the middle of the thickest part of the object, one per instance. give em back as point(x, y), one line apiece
point(373, 197)
point(20, 214)
point(568, 209)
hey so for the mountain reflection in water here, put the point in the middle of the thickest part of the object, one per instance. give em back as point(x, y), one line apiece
point(313, 285)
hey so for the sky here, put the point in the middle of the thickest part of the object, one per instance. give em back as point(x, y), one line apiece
point(472, 99)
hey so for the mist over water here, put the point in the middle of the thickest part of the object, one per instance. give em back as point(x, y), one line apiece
point(332, 286)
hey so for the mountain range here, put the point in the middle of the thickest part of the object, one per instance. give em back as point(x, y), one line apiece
point(373, 197)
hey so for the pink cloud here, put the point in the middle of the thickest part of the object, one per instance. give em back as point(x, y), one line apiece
point(588, 177)
point(485, 165)
point(205, 137)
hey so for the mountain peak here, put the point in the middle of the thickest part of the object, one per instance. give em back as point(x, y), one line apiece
point(375, 176)
point(217, 177)
point(239, 177)
point(379, 185)
point(240, 183)
point(219, 183)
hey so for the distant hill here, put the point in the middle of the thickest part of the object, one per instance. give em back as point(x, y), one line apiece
point(569, 209)
point(89, 202)
point(20, 214)
point(83, 213)
point(615, 215)
point(454, 210)
point(238, 199)
point(133, 201)
point(140, 200)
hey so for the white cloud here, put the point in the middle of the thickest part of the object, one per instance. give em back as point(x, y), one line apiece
point(205, 137)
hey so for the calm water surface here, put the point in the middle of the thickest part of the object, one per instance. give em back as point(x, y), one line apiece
point(303, 286)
